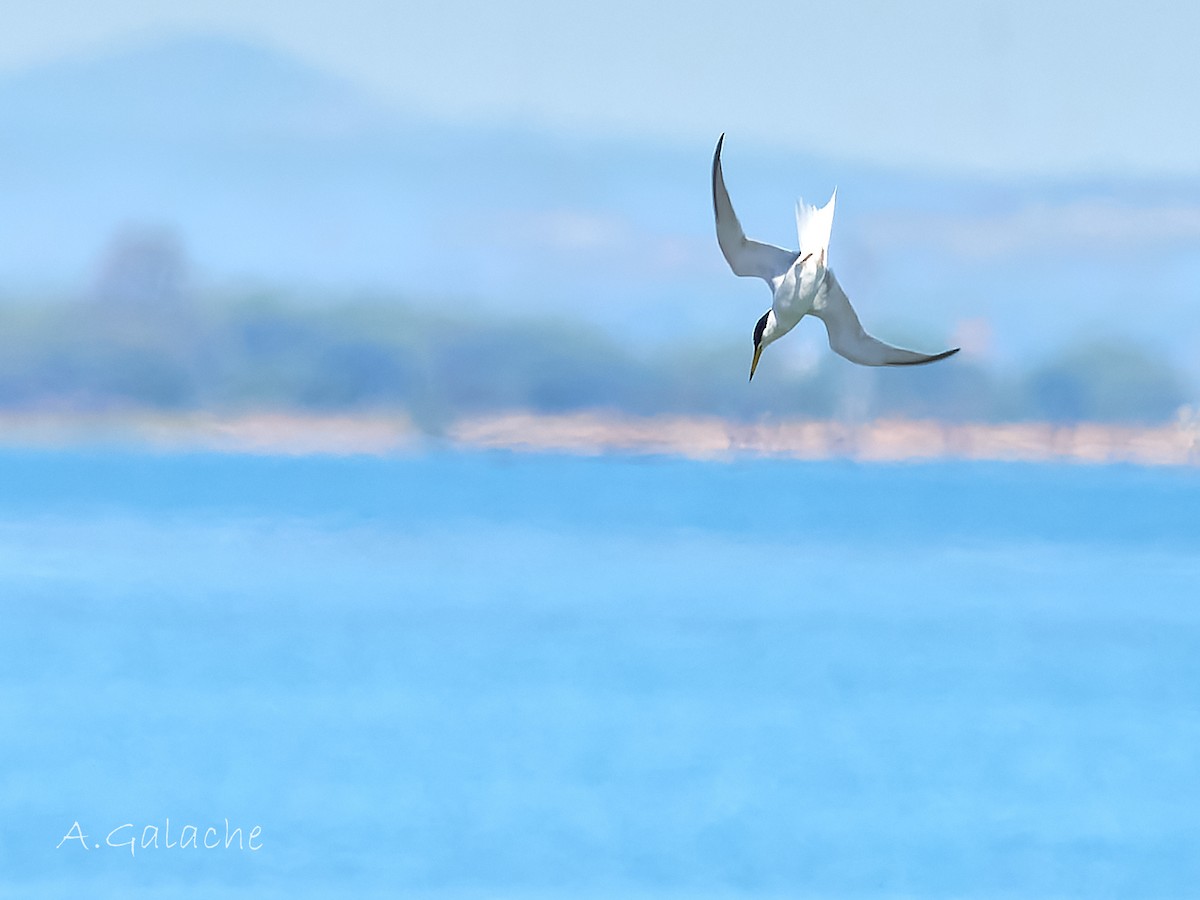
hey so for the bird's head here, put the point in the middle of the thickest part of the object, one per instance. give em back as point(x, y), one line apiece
point(764, 333)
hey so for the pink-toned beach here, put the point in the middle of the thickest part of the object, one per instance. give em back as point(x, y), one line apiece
point(1174, 444)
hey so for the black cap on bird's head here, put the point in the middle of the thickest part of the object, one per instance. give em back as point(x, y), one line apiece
point(758, 344)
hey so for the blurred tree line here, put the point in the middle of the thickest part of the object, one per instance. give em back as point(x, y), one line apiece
point(142, 340)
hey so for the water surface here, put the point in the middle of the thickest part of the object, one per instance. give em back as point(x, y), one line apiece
point(506, 676)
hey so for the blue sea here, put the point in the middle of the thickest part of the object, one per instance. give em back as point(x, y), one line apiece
point(506, 676)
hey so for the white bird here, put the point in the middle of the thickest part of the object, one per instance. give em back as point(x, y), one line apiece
point(802, 283)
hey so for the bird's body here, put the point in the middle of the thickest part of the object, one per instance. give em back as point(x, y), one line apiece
point(801, 282)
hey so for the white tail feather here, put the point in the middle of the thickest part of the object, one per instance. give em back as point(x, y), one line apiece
point(814, 226)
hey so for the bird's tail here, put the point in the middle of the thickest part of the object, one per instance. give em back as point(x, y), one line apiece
point(814, 226)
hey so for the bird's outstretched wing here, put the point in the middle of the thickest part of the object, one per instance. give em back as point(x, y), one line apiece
point(846, 335)
point(744, 256)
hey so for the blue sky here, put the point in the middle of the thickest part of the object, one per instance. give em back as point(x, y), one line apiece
point(1014, 87)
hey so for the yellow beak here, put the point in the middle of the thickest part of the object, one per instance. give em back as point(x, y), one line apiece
point(754, 364)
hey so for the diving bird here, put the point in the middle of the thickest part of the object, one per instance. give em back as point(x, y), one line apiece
point(801, 283)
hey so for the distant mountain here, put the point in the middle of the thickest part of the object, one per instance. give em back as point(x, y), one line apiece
point(271, 172)
point(185, 89)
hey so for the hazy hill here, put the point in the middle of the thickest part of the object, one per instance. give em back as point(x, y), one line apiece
point(272, 172)
point(182, 91)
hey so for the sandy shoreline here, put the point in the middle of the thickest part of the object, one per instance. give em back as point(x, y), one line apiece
point(1174, 444)
point(877, 441)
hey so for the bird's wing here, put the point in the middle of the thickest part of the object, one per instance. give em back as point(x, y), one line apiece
point(846, 335)
point(744, 256)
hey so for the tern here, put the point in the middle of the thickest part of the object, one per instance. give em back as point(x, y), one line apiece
point(802, 283)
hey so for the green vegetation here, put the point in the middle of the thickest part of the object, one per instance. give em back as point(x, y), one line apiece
point(257, 353)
